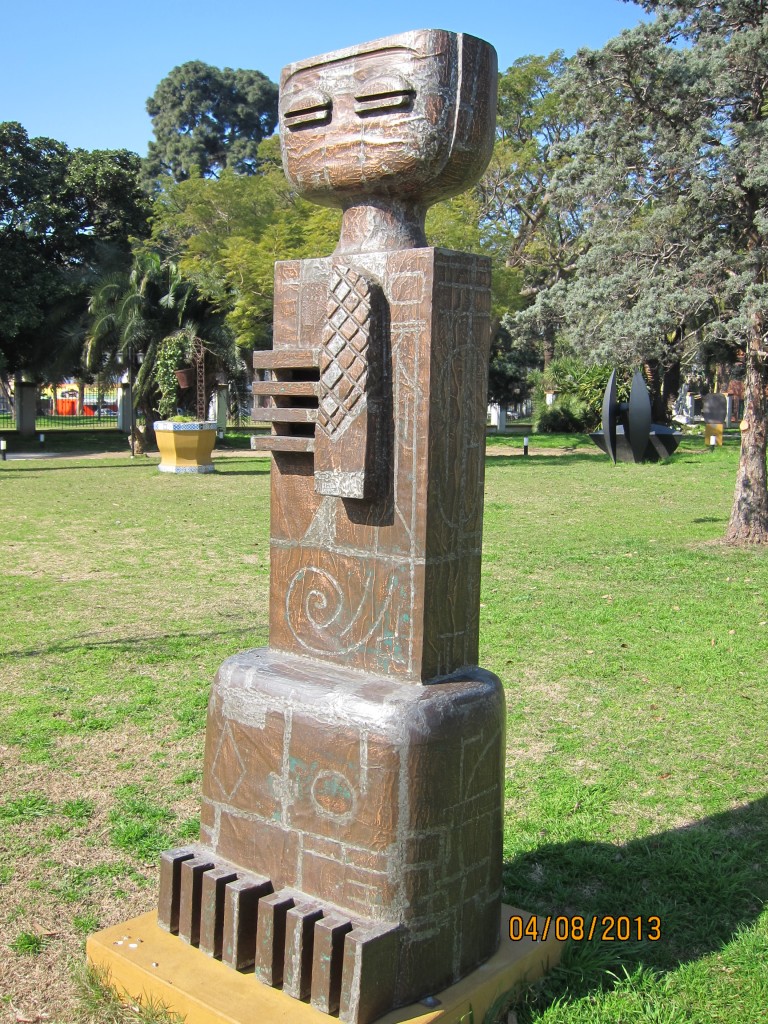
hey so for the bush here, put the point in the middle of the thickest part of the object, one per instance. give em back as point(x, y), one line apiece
point(580, 387)
point(564, 417)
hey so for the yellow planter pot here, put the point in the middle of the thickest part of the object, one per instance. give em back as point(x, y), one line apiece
point(713, 430)
point(185, 447)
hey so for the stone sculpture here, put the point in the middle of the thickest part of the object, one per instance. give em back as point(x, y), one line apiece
point(351, 844)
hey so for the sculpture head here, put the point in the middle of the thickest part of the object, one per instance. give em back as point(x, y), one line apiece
point(391, 126)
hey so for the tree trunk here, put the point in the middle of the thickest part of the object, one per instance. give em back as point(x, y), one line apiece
point(670, 389)
point(653, 381)
point(150, 415)
point(548, 341)
point(6, 392)
point(749, 515)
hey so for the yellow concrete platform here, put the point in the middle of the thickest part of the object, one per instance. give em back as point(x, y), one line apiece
point(144, 963)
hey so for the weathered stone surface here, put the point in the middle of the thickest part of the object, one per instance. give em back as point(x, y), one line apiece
point(212, 909)
point(351, 823)
point(404, 121)
point(392, 585)
point(383, 800)
point(170, 887)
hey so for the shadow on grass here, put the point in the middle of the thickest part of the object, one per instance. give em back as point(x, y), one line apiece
point(567, 458)
point(36, 467)
point(147, 643)
point(255, 467)
point(704, 882)
point(554, 460)
point(58, 440)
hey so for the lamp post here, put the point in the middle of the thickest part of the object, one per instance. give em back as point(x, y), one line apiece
point(132, 434)
point(138, 357)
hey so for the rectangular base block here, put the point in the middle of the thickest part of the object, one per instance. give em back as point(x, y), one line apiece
point(144, 963)
point(366, 797)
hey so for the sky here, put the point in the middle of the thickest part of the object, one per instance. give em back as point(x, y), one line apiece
point(80, 71)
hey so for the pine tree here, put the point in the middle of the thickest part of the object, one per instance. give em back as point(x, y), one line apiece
point(670, 172)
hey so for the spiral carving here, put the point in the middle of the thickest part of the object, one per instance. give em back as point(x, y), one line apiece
point(315, 612)
point(319, 590)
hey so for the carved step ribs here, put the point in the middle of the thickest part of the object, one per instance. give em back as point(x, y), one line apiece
point(327, 962)
point(170, 887)
point(292, 391)
point(299, 943)
point(213, 905)
point(190, 905)
point(212, 909)
point(241, 908)
point(270, 937)
point(314, 952)
point(368, 973)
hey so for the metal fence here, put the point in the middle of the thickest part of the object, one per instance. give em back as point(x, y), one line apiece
point(67, 409)
point(70, 408)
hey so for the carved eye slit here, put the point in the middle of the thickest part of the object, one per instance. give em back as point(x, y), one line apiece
point(308, 109)
point(384, 94)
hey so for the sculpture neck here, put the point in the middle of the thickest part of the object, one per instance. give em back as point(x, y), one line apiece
point(382, 225)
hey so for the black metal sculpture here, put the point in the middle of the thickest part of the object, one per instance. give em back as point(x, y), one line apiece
point(628, 435)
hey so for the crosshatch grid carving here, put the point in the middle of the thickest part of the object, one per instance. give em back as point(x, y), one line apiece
point(343, 356)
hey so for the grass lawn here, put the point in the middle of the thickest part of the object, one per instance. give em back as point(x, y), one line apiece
point(81, 441)
point(633, 646)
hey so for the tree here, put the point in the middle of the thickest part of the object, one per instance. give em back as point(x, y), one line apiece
point(155, 311)
point(578, 388)
point(36, 239)
point(103, 191)
point(531, 235)
point(205, 119)
point(459, 223)
point(509, 216)
point(225, 235)
point(513, 358)
point(670, 173)
point(63, 213)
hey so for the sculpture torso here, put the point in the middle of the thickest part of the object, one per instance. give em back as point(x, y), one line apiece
point(381, 510)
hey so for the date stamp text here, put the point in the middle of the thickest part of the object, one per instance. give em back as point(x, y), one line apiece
point(608, 928)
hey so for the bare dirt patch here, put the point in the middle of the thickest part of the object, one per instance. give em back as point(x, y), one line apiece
point(63, 878)
point(553, 452)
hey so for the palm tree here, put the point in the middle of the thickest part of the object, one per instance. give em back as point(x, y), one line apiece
point(153, 310)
